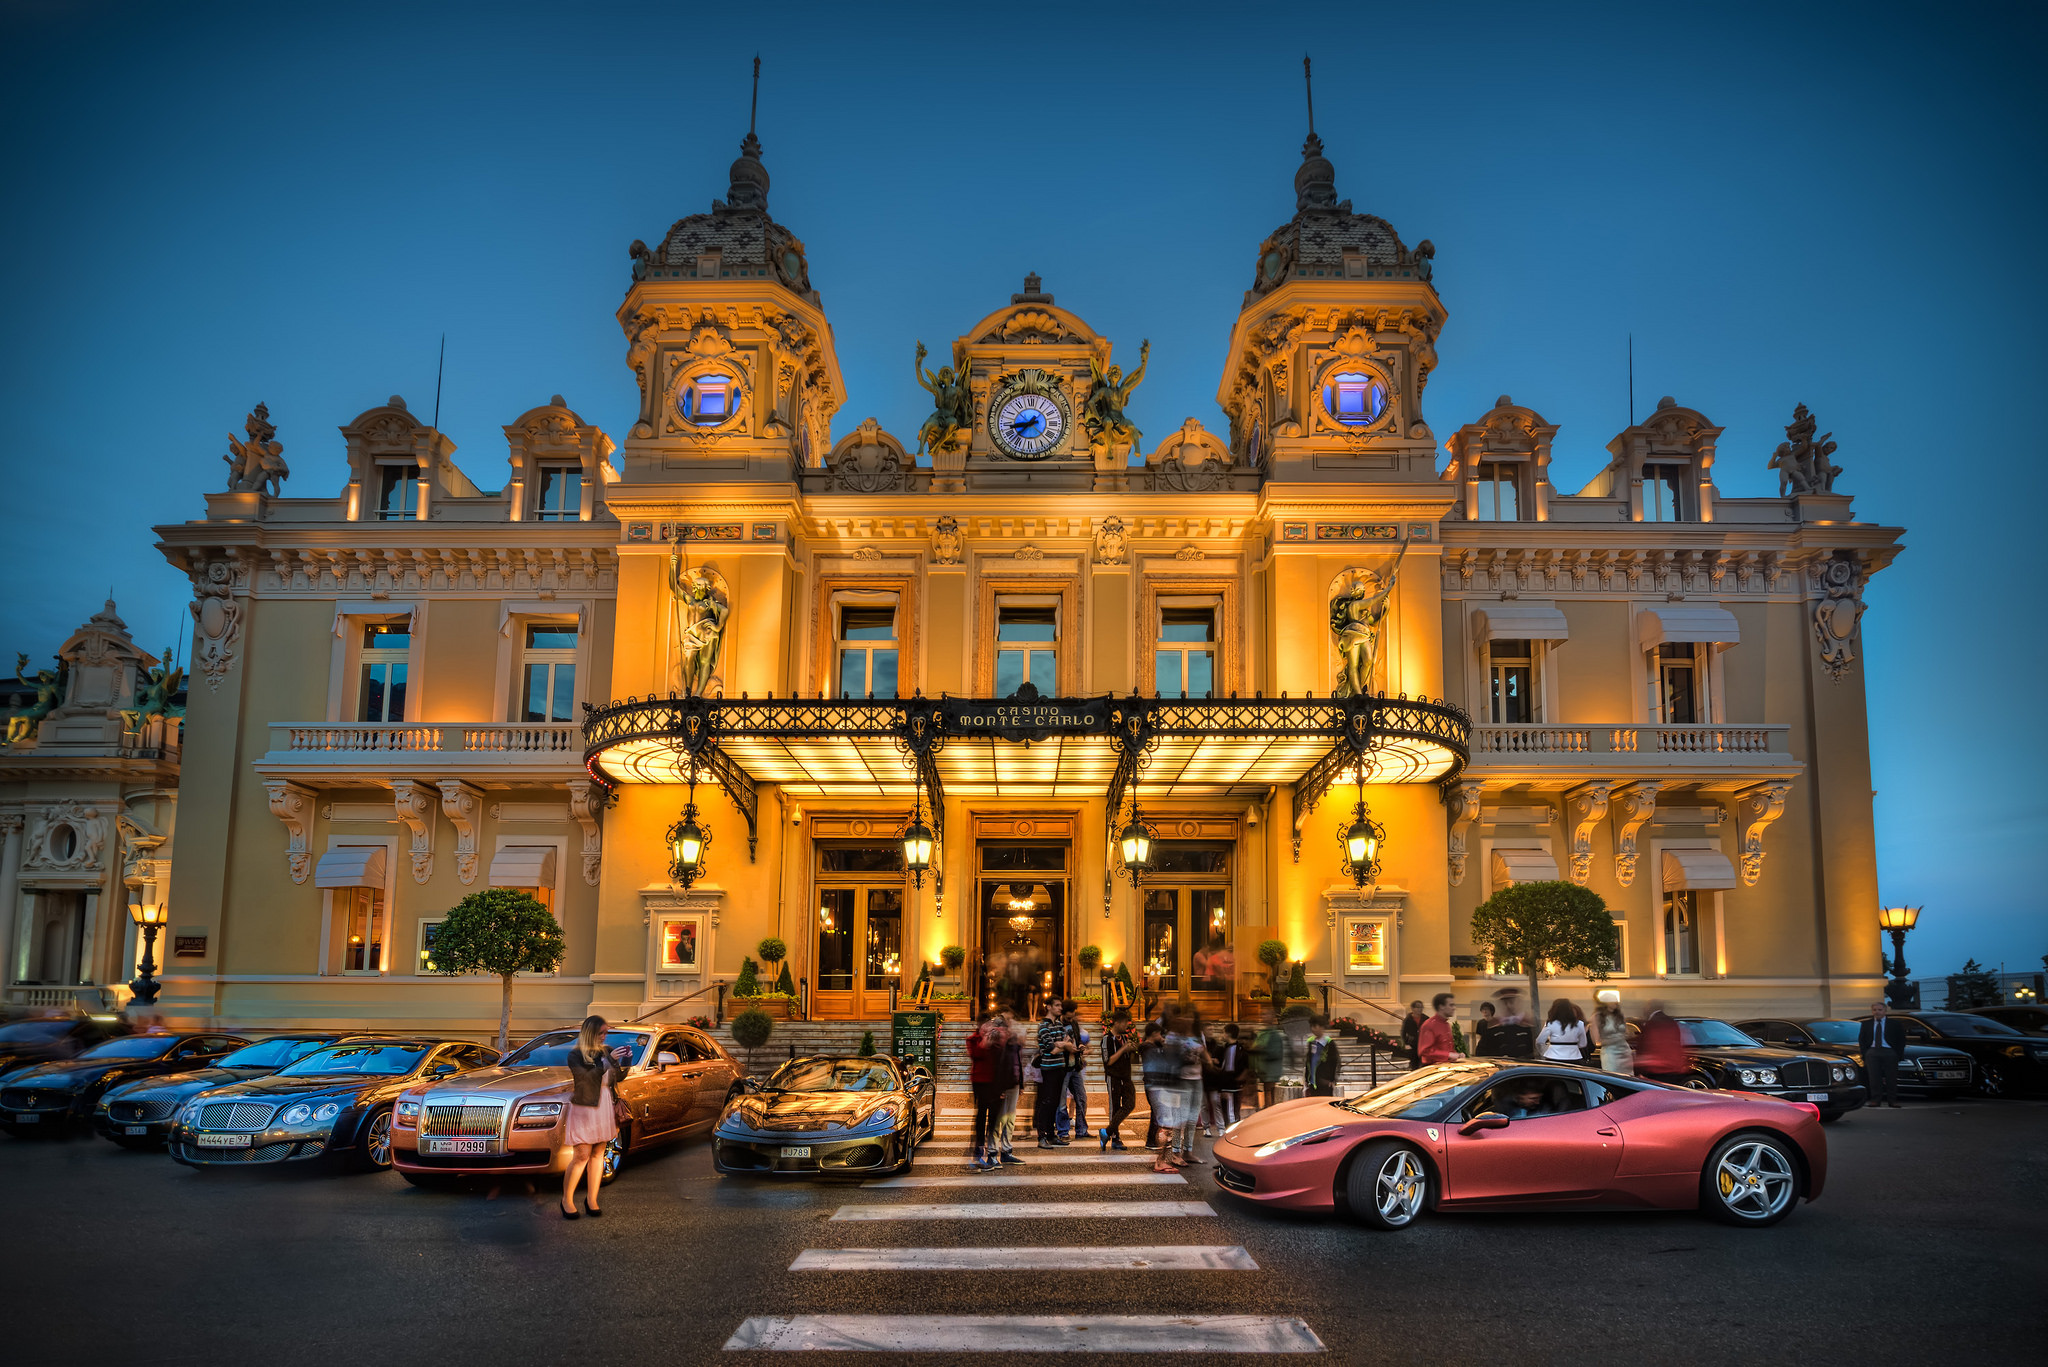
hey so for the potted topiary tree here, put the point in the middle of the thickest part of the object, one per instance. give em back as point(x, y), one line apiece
point(1273, 954)
point(867, 1045)
point(750, 1030)
point(501, 931)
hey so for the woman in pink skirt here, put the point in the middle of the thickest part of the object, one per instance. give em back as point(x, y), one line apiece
point(592, 1123)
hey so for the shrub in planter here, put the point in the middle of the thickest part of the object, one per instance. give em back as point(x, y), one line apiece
point(772, 950)
point(749, 984)
point(952, 956)
point(1089, 957)
point(1273, 954)
point(867, 1045)
point(1300, 1011)
point(1297, 985)
point(784, 984)
point(751, 1028)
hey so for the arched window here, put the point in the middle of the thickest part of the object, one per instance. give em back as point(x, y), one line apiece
point(709, 398)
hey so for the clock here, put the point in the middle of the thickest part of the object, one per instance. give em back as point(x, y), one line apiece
point(1027, 423)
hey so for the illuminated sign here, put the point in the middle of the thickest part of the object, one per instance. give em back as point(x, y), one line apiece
point(1025, 719)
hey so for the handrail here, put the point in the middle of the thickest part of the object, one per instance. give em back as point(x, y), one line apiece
point(669, 1006)
point(1333, 987)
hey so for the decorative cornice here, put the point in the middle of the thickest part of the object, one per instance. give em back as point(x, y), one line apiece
point(1638, 806)
point(462, 803)
point(1760, 806)
point(1588, 808)
point(414, 800)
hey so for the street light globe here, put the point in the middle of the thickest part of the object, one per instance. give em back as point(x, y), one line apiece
point(146, 913)
point(917, 847)
point(1897, 918)
point(1137, 846)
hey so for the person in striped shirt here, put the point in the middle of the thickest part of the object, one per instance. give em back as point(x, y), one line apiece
point(1056, 1051)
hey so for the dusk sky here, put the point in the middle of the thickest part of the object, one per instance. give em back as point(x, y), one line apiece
point(1841, 206)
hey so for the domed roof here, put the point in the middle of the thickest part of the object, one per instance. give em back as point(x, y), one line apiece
point(1324, 232)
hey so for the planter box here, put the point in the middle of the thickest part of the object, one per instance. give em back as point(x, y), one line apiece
point(776, 1007)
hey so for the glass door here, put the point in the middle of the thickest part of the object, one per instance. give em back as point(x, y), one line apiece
point(1022, 894)
point(859, 929)
point(1188, 943)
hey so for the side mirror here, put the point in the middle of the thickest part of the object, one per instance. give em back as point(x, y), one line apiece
point(665, 1058)
point(1485, 1120)
point(750, 1084)
point(444, 1068)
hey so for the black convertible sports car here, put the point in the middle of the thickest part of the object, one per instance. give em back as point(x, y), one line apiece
point(1720, 1057)
point(48, 1097)
point(333, 1103)
point(29, 1042)
point(828, 1114)
point(137, 1115)
point(1924, 1069)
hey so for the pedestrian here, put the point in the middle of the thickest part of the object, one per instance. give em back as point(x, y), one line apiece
point(1611, 1029)
point(1563, 1038)
point(1411, 1030)
point(1320, 1071)
point(1010, 1076)
point(1160, 1074)
point(1881, 1041)
point(1488, 1028)
point(1119, 1045)
point(1077, 1082)
point(1435, 1043)
point(1660, 1050)
point(1221, 1081)
point(593, 1119)
point(1269, 1057)
point(1182, 1050)
point(1055, 1054)
point(984, 1051)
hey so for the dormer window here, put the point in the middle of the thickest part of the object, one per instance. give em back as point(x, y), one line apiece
point(1500, 490)
point(561, 493)
point(709, 399)
point(1355, 399)
point(398, 492)
point(1664, 488)
point(1354, 265)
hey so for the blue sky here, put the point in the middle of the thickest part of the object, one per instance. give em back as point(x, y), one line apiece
point(1833, 205)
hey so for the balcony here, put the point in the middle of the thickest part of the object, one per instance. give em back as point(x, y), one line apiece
point(1708, 757)
point(498, 753)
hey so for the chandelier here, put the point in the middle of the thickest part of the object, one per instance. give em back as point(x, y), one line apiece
point(1022, 901)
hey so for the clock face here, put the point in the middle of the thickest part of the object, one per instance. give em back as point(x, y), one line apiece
point(1028, 425)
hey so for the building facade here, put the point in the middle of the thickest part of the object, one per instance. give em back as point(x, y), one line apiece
point(1643, 686)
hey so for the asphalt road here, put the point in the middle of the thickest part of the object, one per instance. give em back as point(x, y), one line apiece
point(1926, 1248)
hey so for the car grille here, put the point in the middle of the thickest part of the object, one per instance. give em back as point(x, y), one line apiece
point(1802, 1072)
point(1235, 1180)
point(235, 1115)
point(1944, 1065)
point(25, 1099)
point(464, 1121)
point(266, 1153)
point(141, 1110)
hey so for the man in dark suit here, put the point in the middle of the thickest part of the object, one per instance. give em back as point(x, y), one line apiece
point(1321, 1071)
point(1881, 1041)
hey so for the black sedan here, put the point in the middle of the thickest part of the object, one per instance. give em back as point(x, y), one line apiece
point(1720, 1057)
point(2028, 1020)
point(829, 1114)
point(137, 1115)
point(53, 1038)
point(1924, 1069)
point(334, 1103)
point(2008, 1062)
point(46, 1098)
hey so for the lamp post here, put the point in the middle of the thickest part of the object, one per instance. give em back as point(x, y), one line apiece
point(1898, 920)
point(149, 916)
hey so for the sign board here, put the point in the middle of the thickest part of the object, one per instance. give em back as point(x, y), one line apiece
point(1365, 945)
point(1473, 962)
point(1025, 717)
point(914, 1038)
point(189, 947)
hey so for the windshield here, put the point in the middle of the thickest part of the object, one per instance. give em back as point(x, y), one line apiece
point(33, 1032)
point(834, 1075)
point(384, 1060)
point(135, 1046)
point(271, 1053)
point(1968, 1025)
point(552, 1051)
point(1713, 1035)
point(1833, 1032)
point(1418, 1096)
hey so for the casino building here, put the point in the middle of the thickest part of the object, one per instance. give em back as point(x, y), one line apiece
point(1028, 627)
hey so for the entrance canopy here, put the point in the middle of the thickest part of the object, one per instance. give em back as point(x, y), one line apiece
point(1024, 747)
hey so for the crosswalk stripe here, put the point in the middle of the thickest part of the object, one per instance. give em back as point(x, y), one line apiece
point(1090, 1157)
point(1090, 1258)
point(1026, 1210)
point(1028, 1334)
point(1051, 1179)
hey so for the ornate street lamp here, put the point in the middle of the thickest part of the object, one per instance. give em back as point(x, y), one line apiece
point(1898, 920)
point(687, 842)
point(918, 842)
point(1135, 843)
point(149, 916)
point(1361, 841)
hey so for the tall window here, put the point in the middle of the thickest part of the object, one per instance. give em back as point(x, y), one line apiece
point(1664, 493)
point(1500, 490)
point(1511, 681)
point(561, 493)
point(867, 650)
point(381, 695)
point(1681, 683)
point(398, 492)
point(1185, 656)
point(1027, 648)
point(1682, 931)
point(550, 670)
point(362, 918)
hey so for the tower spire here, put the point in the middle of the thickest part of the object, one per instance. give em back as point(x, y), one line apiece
point(749, 189)
point(1308, 84)
point(1315, 181)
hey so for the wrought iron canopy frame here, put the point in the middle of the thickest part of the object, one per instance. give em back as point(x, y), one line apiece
point(920, 727)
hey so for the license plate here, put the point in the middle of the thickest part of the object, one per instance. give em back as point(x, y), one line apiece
point(223, 1141)
point(138, 1129)
point(796, 1150)
point(27, 1118)
point(1816, 1096)
point(457, 1145)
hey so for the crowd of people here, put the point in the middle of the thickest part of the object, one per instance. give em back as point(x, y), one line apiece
point(1504, 1028)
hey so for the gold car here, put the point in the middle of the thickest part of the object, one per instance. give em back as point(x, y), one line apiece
point(509, 1120)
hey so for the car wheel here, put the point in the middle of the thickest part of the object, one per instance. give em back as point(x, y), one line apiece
point(614, 1156)
point(373, 1149)
point(1387, 1186)
point(1699, 1082)
point(1990, 1082)
point(1750, 1179)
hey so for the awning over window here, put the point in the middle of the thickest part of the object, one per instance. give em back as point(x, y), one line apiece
point(1681, 622)
point(523, 866)
point(1702, 869)
point(351, 866)
point(1519, 621)
point(1523, 866)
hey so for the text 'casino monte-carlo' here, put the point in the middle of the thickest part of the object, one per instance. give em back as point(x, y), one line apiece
point(1030, 629)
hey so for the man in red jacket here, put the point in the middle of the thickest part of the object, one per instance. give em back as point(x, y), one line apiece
point(1435, 1043)
point(985, 1050)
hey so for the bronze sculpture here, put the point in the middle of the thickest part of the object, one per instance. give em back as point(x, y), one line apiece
point(1102, 412)
point(952, 398)
point(1355, 617)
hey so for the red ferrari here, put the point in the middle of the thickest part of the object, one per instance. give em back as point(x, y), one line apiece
point(1502, 1134)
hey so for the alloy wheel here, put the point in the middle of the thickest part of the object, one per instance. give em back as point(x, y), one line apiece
point(1400, 1188)
point(1755, 1181)
point(1700, 1082)
point(377, 1140)
point(614, 1156)
point(1989, 1083)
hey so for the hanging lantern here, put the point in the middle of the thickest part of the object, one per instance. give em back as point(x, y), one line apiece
point(917, 850)
point(1135, 844)
point(687, 842)
point(1361, 842)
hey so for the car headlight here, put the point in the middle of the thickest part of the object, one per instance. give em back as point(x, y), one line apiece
point(1842, 1074)
point(878, 1123)
point(327, 1110)
point(189, 1114)
point(408, 1110)
point(296, 1115)
point(538, 1115)
point(1309, 1137)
